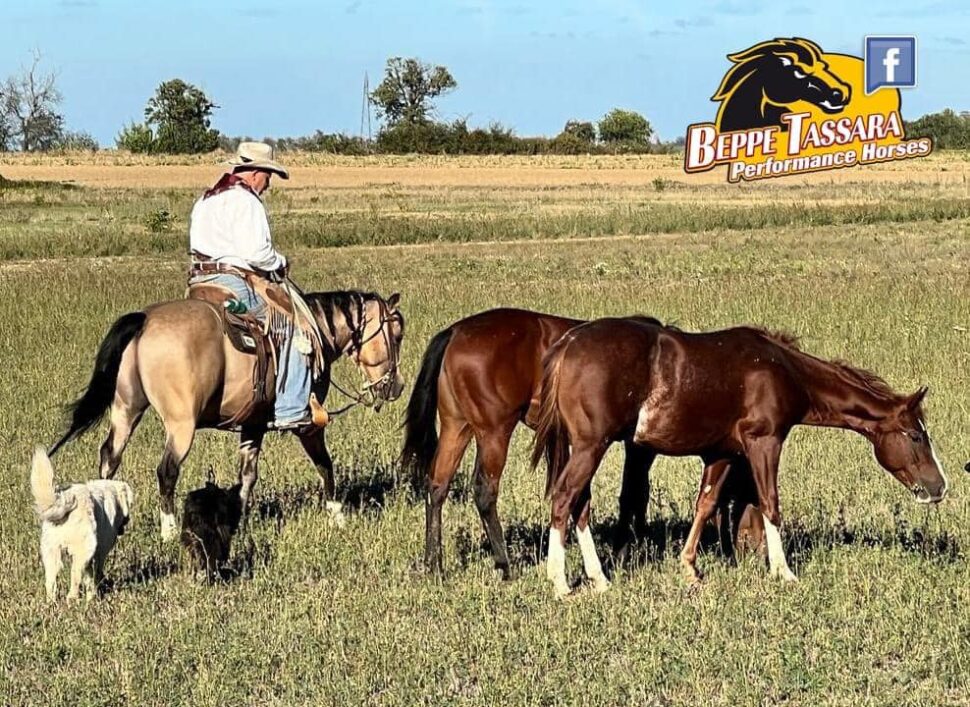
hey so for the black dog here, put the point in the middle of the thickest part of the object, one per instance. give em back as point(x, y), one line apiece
point(210, 518)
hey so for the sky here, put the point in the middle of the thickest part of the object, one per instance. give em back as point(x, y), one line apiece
point(287, 68)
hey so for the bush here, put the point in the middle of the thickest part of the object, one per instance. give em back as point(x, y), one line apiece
point(949, 130)
point(582, 130)
point(426, 138)
point(159, 221)
point(77, 142)
point(568, 143)
point(334, 143)
point(136, 137)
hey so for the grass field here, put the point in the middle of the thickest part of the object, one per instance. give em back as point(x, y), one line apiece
point(871, 266)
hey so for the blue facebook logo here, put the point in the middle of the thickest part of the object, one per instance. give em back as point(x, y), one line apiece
point(890, 61)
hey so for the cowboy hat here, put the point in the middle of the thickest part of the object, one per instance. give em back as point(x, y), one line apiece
point(257, 155)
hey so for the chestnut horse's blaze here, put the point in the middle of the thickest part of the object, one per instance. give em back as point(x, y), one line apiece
point(730, 397)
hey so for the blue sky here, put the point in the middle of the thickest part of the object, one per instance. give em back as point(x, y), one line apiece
point(289, 68)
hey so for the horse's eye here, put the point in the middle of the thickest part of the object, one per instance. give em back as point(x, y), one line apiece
point(914, 435)
point(798, 74)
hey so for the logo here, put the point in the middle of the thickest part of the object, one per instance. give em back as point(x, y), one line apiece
point(890, 61)
point(788, 107)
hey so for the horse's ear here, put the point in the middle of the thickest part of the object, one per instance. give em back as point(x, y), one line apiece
point(916, 398)
point(394, 300)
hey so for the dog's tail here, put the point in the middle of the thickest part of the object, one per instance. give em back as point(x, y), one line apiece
point(88, 410)
point(51, 506)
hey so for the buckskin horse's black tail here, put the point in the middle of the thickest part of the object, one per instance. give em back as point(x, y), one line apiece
point(420, 433)
point(88, 410)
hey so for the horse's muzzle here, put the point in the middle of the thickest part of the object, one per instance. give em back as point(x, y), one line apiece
point(924, 496)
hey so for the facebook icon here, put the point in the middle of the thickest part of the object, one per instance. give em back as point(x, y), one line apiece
point(890, 61)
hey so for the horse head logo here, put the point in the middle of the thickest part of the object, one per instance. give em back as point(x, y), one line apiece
point(768, 77)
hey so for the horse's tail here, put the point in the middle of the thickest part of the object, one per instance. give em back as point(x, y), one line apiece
point(551, 439)
point(421, 436)
point(88, 410)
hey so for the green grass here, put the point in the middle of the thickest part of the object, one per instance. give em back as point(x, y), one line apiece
point(47, 220)
point(328, 615)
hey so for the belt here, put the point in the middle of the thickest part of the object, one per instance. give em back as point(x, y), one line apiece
point(199, 269)
point(213, 267)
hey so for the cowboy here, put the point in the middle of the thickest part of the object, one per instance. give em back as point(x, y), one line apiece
point(230, 241)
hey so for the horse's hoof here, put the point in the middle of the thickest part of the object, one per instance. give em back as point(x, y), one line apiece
point(600, 585)
point(693, 576)
point(168, 526)
point(785, 575)
point(336, 511)
point(507, 574)
point(561, 591)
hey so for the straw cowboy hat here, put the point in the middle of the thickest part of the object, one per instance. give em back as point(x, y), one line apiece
point(257, 155)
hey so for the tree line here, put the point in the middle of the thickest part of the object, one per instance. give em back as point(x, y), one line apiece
point(178, 120)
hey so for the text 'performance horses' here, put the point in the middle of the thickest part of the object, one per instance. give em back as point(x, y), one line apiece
point(726, 396)
point(176, 357)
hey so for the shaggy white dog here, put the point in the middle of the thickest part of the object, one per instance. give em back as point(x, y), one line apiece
point(84, 520)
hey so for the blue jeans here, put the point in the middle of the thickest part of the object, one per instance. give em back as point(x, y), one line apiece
point(293, 393)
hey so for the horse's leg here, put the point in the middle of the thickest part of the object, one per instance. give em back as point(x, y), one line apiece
point(452, 442)
point(704, 509)
point(740, 525)
point(573, 482)
point(250, 444)
point(764, 454)
point(315, 445)
point(180, 435)
point(591, 561)
point(126, 410)
point(493, 450)
point(634, 497)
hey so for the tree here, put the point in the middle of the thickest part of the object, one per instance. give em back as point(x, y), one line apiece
point(407, 92)
point(625, 126)
point(581, 130)
point(179, 115)
point(948, 129)
point(6, 129)
point(29, 109)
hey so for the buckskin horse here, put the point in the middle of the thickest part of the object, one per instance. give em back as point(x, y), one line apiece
point(480, 377)
point(726, 396)
point(768, 77)
point(176, 357)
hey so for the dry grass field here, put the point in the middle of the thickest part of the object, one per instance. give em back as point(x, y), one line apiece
point(870, 265)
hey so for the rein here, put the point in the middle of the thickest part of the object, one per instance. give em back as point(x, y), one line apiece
point(364, 396)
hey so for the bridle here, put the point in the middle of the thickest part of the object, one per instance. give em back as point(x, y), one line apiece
point(366, 395)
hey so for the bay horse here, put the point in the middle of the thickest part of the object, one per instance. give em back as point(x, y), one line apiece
point(730, 397)
point(480, 377)
point(175, 357)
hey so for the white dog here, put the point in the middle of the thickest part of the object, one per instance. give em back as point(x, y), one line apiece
point(84, 519)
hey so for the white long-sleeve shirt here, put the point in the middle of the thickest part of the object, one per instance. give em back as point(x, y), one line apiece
point(231, 227)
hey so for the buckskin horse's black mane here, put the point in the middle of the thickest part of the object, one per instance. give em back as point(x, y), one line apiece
point(350, 303)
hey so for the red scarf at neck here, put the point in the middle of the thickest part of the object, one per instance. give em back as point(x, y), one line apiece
point(226, 182)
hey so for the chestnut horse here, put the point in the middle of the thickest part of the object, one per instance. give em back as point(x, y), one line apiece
point(175, 357)
point(726, 396)
point(480, 377)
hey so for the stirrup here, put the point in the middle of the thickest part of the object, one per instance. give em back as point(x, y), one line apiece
point(318, 413)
